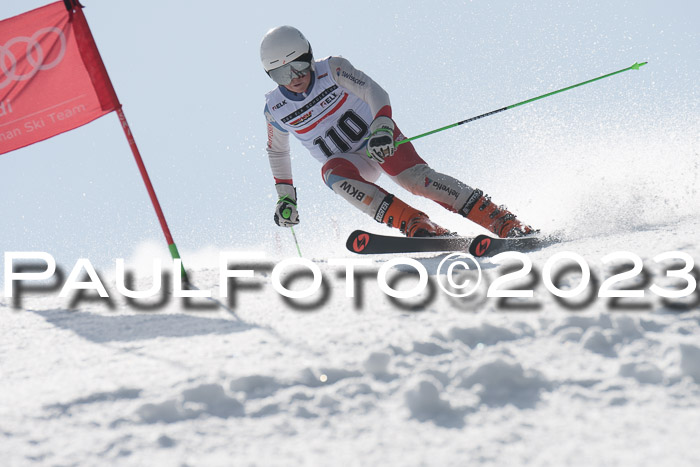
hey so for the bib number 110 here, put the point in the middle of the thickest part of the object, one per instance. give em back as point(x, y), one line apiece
point(350, 127)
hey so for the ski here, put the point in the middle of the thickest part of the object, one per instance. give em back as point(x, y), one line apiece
point(366, 243)
point(484, 245)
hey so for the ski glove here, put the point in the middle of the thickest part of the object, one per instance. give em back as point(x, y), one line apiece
point(381, 139)
point(286, 214)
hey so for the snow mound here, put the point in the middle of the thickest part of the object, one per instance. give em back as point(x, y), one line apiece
point(644, 372)
point(502, 381)
point(425, 403)
point(205, 399)
point(690, 361)
point(485, 334)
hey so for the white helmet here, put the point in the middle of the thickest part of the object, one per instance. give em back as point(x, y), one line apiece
point(279, 48)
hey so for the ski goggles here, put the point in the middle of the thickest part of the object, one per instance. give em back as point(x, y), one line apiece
point(286, 73)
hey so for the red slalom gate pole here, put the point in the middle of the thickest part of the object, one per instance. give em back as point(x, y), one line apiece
point(151, 192)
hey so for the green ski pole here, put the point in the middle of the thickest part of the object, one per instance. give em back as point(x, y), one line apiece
point(287, 213)
point(296, 241)
point(636, 66)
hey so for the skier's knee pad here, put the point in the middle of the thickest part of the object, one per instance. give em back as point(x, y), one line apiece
point(352, 165)
point(424, 181)
point(337, 169)
point(345, 179)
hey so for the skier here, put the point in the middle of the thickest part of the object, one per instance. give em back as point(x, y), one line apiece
point(344, 120)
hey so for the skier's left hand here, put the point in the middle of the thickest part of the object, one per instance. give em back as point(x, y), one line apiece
point(381, 139)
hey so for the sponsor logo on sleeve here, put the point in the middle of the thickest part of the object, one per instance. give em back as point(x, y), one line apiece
point(352, 78)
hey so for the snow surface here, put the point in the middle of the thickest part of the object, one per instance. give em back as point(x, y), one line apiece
point(259, 383)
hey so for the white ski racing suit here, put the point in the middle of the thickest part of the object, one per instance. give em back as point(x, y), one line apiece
point(331, 119)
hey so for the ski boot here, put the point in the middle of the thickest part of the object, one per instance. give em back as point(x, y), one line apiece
point(496, 219)
point(410, 221)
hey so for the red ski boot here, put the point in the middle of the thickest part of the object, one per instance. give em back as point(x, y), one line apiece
point(410, 221)
point(496, 219)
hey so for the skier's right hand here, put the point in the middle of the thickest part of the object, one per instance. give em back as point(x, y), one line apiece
point(286, 214)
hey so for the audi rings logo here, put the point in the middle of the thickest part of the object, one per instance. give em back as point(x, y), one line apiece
point(17, 49)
